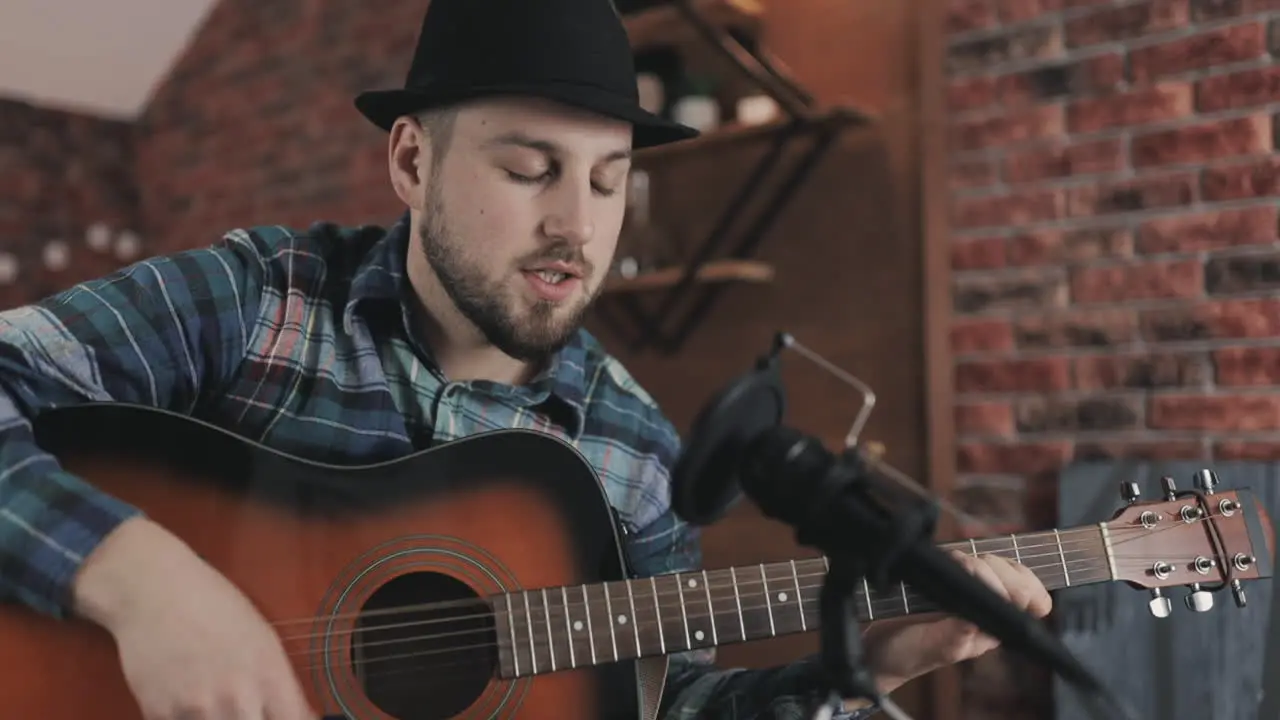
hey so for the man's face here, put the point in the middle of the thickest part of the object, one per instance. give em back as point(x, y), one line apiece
point(521, 221)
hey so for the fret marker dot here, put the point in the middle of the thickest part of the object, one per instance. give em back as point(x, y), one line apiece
point(622, 619)
point(782, 597)
point(699, 635)
point(577, 625)
point(693, 583)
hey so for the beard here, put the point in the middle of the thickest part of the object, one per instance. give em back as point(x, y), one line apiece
point(528, 334)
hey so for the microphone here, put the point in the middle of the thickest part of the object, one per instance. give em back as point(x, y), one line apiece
point(840, 505)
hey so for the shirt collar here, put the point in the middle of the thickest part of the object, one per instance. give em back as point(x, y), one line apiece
point(380, 283)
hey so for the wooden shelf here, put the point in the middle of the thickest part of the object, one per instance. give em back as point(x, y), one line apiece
point(666, 24)
point(716, 271)
point(732, 134)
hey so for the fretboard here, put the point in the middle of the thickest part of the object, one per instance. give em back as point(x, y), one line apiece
point(559, 628)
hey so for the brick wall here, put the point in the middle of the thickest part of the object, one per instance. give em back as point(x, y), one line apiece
point(241, 132)
point(1115, 245)
point(68, 199)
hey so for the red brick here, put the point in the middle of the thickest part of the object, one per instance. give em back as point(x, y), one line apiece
point(1242, 181)
point(1203, 142)
point(1056, 247)
point(1239, 366)
point(1062, 159)
point(1125, 22)
point(988, 418)
point(971, 93)
point(978, 253)
point(1020, 458)
point(1140, 450)
point(1213, 320)
point(1244, 450)
point(974, 173)
point(980, 292)
point(1217, 229)
point(981, 336)
point(1037, 42)
point(1008, 128)
point(1045, 414)
point(967, 15)
point(1243, 273)
point(1013, 375)
point(1219, 46)
point(1015, 208)
point(1096, 328)
point(1247, 88)
point(1145, 370)
point(1159, 103)
point(1145, 193)
point(1232, 413)
point(1203, 10)
point(1147, 281)
point(1080, 77)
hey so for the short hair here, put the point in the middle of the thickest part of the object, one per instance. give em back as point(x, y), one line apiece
point(438, 124)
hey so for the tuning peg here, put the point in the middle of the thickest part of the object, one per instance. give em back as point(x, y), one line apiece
point(1130, 492)
point(1237, 592)
point(1199, 600)
point(1159, 604)
point(1206, 480)
point(1170, 488)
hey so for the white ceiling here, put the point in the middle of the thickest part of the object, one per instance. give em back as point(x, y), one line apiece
point(100, 56)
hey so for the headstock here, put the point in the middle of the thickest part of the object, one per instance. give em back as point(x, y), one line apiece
point(1203, 539)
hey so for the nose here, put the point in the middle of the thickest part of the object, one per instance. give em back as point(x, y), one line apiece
point(569, 217)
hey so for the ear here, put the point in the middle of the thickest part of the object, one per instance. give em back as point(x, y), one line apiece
point(408, 158)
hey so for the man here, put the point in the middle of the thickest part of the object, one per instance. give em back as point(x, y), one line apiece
point(510, 148)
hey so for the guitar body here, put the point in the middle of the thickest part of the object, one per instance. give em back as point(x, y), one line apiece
point(319, 549)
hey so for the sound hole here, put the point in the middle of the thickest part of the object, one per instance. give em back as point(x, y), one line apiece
point(424, 647)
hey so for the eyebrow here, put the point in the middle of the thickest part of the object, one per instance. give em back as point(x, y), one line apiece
point(520, 139)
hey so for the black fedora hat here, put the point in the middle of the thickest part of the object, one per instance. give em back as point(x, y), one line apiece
point(576, 52)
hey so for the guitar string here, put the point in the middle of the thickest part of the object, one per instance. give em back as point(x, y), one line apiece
point(894, 601)
point(720, 575)
point(1092, 536)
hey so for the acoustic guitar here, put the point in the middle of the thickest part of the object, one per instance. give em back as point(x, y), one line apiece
point(486, 577)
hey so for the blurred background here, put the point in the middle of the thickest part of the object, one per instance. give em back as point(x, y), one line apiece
point(1045, 231)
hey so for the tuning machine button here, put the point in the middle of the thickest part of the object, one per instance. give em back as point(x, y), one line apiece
point(1237, 592)
point(1130, 492)
point(1206, 480)
point(1160, 605)
point(1199, 599)
point(1170, 488)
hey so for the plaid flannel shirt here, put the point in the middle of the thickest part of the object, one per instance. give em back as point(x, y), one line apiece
point(301, 341)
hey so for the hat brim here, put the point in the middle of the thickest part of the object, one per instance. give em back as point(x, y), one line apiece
point(382, 107)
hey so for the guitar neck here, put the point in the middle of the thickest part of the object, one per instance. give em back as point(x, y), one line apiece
point(574, 626)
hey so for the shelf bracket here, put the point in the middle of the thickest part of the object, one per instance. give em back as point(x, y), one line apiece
point(651, 324)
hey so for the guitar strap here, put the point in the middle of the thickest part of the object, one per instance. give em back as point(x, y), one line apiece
point(652, 672)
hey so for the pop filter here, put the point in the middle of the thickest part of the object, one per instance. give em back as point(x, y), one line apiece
point(704, 482)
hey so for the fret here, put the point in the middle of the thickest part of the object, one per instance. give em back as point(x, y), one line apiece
point(783, 598)
point(684, 613)
point(569, 633)
point(1066, 574)
point(1017, 555)
point(768, 603)
point(551, 636)
point(591, 635)
point(515, 646)
point(612, 621)
point(737, 600)
point(657, 615)
point(635, 619)
point(906, 607)
point(973, 547)
point(528, 622)
point(711, 608)
point(795, 576)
